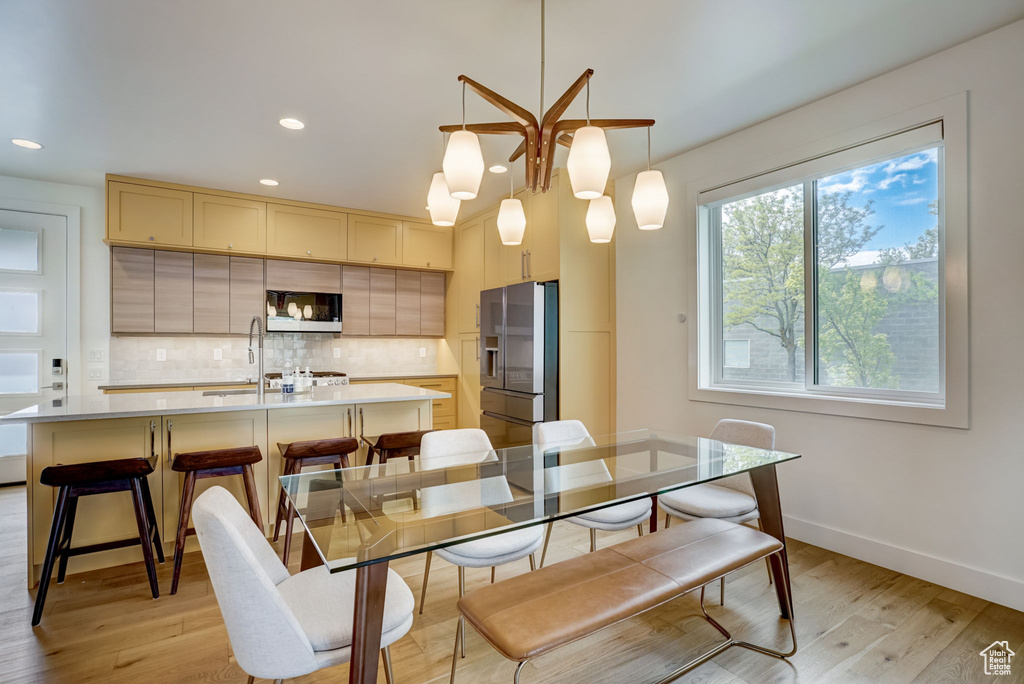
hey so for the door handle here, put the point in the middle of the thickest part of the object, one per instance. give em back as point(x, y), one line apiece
point(477, 315)
point(170, 424)
point(54, 386)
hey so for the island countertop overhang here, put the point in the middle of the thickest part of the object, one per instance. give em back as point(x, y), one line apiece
point(108, 406)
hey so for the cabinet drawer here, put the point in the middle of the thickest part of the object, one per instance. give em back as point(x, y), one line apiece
point(444, 407)
point(437, 384)
point(445, 422)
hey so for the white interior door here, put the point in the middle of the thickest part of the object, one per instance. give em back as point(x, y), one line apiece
point(33, 323)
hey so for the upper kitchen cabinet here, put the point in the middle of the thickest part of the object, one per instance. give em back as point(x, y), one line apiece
point(375, 240)
point(172, 292)
point(298, 276)
point(148, 215)
point(131, 290)
point(469, 274)
point(432, 304)
point(542, 250)
point(355, 300)
point(248, 296)
point(212, 287)
point(227, 223)
point(382, 301)
point(307, 233)
point(407, 302)
point(494, 252)
point(427, 246)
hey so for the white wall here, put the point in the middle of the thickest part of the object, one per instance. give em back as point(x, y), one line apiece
point(942, 504)
point(93, 292)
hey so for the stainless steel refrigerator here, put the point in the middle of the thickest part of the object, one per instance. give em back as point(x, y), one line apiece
point(518, 360)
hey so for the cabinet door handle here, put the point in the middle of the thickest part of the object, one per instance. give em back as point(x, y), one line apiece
point(308, 251)
point(477, 315)
point(230, 245)
point(348, 412)
point(522, 265)
point(152, 439)
point(170, 424)
point(529, 265)
point(362, 424)
point(477, 348)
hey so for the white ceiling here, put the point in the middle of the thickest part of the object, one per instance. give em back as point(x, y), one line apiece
point(190, 91)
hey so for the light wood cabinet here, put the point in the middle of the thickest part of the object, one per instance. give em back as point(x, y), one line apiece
point(212, 294)
point(407, 303)
point(172, 292)
point(513, 257)
point(205, 431)
point(229, 223)
point(432, 304)
point(307, 233)
point(543, 252)
point(382, 301)
point(374, 240)
point(355, 300)
point(298, 276)
point(377, 419)
point(443, 411)
point(469, 381)
point(148, 215)
point(426, 246)
point(131, 290)
point(247, 293)
point(494, 275)
point(469, 272)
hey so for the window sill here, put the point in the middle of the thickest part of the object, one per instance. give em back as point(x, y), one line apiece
point(900, 411)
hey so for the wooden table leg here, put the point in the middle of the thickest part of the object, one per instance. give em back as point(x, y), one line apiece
point(371, 589)
point(654, 513)
point(310, 558)
point(766, 490)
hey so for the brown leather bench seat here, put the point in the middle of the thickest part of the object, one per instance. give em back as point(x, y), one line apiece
point(531, 614)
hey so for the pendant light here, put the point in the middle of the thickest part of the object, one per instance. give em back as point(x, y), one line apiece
point(463, 163)
point(589, 161)
point(601, 219)
point(443, 208)
point(650, 196)
point(511, 218)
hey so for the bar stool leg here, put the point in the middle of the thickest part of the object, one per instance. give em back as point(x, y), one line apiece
point(144, 539)
point(426, 576)
point(65, 542)
point(290, 521)
point(179, 539)
point(147, 498)
point(250, 495)
point(59, 516)
point(282, 502)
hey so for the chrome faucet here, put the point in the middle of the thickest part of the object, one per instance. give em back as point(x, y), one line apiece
point(257, 322)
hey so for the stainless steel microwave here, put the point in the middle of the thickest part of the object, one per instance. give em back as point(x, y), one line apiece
point(303, 311)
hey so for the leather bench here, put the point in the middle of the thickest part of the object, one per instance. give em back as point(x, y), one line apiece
point(529, 615)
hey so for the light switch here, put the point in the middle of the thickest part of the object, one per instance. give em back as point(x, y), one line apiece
point(95, 374)
point(161, 354)
point(95, 354)
point(218, 354)
point(337, 352)
point(423, 352)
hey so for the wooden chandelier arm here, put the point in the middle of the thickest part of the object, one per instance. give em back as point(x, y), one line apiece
point(497, 128)
point(562, 103)
point(570, 125)
point(519, 152)
point(524, 117)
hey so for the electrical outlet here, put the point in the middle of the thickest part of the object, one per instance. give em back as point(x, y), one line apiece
point(218, 354)
point(161, 354)
point(423, 352)
point(95, 354)
point(337, 352)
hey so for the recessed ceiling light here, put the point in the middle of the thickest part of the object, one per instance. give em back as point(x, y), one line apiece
point(27, 143)
point(268, 181)
point(498, 168)
point(293, 124)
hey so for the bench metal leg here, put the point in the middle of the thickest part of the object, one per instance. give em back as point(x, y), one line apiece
point(389, 673)
point(519, 668)
point(533, 563)
point(593, 540)
point(547, 540)
point(721, 595)
point(640, 529)
point(455, 655)
point(462, 620)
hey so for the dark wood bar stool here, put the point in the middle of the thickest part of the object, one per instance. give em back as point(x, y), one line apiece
point(393, 445)
point(85, 479)
point(199, 465)
point(298, 455)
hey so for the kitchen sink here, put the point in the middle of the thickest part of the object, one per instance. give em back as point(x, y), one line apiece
point(227, 393)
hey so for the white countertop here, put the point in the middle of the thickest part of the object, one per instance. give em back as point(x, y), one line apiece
point(172, 403)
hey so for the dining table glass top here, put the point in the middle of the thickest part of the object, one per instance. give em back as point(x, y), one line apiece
point(381, 512)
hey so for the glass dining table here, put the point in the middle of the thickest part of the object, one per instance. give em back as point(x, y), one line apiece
point(361, 518)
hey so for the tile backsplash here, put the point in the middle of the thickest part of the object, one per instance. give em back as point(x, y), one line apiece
point(134, 359)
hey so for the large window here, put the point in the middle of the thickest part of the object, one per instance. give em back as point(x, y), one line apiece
point(831, 273)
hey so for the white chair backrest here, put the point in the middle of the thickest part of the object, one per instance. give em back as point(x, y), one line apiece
point(455, 497)
point(559, 432)
point(564, 478)
point(443, 448)
point(244, 571)
point(744, 433)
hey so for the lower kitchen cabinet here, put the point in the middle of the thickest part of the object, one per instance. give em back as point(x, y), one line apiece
point(376, 419)
point(203, 432)
point(101, 518)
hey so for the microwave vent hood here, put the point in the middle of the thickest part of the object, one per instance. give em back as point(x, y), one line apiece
point(303, 311)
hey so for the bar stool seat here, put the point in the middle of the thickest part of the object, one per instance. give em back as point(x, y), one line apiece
point(85, 479)
point(298, 455)
point(199, 465)
point(393, 445)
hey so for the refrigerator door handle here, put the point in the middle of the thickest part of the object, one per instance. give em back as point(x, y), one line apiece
point(507, 419)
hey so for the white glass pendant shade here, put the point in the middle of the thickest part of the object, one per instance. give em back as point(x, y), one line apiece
point(307, 312)
point(589, 163)
point(443, 208)
point(293, 309)
point(650, 200)
point(511, 222)
point(463, 165)
point(601, 219)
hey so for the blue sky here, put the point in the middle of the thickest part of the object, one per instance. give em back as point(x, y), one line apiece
point(901, 189)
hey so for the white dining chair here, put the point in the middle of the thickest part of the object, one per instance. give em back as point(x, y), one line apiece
point(584, 474)
point(730, 498)
point(282, 625)
point(447, 448)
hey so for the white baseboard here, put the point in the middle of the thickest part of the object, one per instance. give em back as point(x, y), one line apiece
point(12, 469)
point(992, 587)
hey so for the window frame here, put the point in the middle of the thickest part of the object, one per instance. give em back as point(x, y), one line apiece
point(837, 154)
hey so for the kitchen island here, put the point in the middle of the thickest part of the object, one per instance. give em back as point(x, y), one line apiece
point(160, 424)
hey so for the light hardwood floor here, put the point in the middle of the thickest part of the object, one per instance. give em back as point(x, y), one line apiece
point(857, 623)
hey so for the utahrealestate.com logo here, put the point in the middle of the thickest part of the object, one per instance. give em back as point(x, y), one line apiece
point(997, 658)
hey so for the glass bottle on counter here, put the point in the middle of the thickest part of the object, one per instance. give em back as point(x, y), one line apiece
point(287, 382)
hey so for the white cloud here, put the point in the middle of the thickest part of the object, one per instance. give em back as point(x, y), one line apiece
point(858, 180)
point(913, 163)
point(863, 258)
point(912, 200)
point(886, 182)
point(920, 181)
